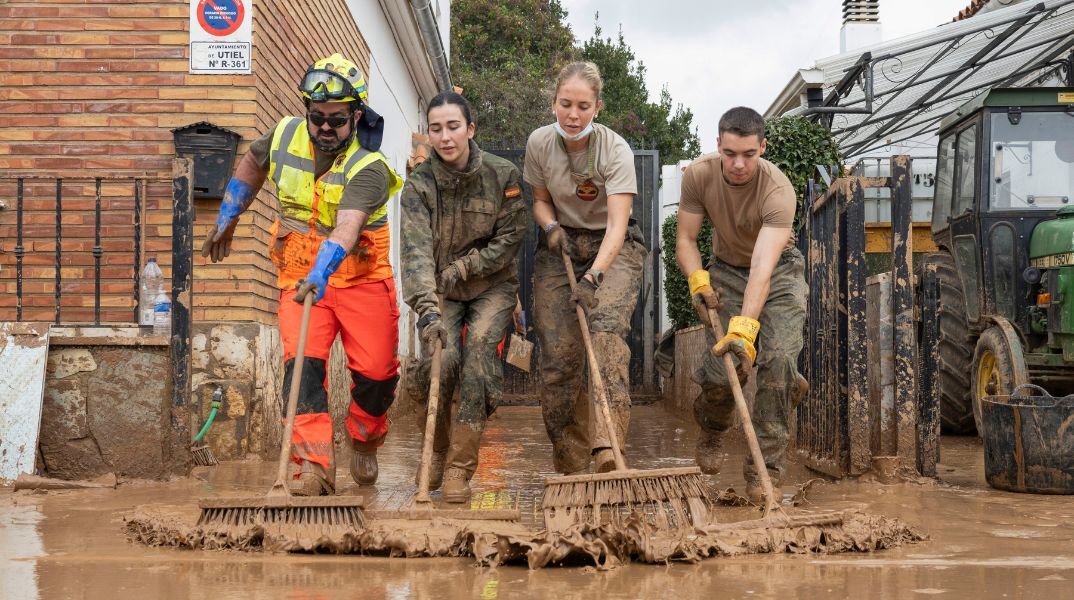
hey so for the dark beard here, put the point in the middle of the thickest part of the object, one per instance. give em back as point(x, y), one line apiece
point(328, 147)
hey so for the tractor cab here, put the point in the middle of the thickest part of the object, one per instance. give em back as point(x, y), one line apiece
point(1003, 220)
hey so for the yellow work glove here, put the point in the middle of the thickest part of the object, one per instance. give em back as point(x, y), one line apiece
point(740, 338)
point(703, 296)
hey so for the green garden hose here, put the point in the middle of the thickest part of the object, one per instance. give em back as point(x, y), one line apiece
point(217, 396)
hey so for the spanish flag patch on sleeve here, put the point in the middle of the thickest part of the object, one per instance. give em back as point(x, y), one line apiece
point(512, 192)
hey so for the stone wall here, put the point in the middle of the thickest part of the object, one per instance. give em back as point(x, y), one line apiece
point(245, 360)
point(105, 410)
point(108, 393)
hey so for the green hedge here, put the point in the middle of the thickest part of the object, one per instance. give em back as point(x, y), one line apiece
point(795, 145)
point(680, 311)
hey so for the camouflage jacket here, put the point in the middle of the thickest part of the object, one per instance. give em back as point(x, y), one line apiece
point(477, 215)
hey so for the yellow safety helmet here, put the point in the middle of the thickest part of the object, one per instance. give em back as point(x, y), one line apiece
point(333, 79)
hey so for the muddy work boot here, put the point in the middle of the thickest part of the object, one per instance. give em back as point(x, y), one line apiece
point(569, 458)
point(710, 454)
point(755, 491)
point(436, 470)
point(461, 461)
point(312, 480)
point(456, 486)
point(603, 460)
point(364, 461)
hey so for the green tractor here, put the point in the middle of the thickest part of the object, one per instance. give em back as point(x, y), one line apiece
point(1003, 220)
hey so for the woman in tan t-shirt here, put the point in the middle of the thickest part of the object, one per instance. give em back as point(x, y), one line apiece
point(582, 175)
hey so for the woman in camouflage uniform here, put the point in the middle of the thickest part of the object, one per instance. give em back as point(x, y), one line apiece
point(463, 220)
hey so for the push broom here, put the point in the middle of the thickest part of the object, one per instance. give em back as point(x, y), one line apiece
point(422, 506)
point(771, 502)
point(670, 498)
point(278, 508)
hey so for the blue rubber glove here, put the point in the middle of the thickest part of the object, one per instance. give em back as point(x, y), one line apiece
point(329, 256)
point(237, 197)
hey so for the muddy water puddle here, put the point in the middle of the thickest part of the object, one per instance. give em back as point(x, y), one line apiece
point(983, 543)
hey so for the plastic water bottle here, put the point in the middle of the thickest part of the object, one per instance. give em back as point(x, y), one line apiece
point(152, 286)
point(162, 315)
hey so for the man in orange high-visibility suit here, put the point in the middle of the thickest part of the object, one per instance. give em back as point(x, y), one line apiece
point(332, 240)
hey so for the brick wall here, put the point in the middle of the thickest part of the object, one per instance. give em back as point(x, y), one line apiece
point(92, 88)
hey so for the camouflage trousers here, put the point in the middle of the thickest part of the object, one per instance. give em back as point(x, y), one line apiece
point(778, 345)
point(469, 361)
point(570, 420)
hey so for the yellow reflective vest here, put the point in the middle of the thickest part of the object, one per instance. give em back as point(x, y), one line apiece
point(306, 198)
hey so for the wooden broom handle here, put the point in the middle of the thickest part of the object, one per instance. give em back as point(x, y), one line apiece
point(594, 373)
point(422, 496)
point(292, 397)
point(744, 414)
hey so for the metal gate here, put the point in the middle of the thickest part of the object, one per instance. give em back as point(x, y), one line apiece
point(520, 387)
point(839, 427)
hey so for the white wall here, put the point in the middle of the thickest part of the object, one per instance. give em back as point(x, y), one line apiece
point(670, 188)
point(393, 94)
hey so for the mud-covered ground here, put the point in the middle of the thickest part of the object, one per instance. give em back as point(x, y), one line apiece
point(982, 543)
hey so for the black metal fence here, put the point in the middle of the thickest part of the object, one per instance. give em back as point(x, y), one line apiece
point(72, 245)
point(520, 386)
point(837, 429)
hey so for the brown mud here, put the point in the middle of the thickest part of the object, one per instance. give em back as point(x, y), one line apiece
point(981, 542)
point(491, 544)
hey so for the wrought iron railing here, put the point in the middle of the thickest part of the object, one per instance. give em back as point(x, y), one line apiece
point(66, 230)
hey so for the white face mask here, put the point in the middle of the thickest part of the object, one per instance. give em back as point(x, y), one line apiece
point(572, 138)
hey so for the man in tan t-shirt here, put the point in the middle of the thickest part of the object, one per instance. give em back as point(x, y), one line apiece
point(760, 290)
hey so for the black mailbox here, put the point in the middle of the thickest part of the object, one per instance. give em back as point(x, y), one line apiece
point(213, 150)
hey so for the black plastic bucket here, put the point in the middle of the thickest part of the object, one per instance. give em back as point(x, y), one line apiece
point(1029, 442)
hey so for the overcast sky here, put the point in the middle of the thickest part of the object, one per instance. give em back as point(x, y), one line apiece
point(717, 54)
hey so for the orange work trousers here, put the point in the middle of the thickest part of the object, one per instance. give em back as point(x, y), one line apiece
point(366, 317)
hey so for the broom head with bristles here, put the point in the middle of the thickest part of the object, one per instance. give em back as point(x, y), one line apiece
point(203, 456)
point(674, 498)
point(282, 511)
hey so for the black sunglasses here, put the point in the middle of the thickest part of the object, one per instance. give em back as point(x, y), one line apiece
point(334, 121)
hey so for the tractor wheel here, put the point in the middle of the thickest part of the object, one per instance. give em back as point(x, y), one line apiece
point(998, 368)
point(955, 348)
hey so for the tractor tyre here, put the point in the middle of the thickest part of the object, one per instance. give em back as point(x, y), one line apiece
point(998, 368)
point(955, 349)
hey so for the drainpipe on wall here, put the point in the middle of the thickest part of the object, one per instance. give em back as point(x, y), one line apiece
point(434, 46)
